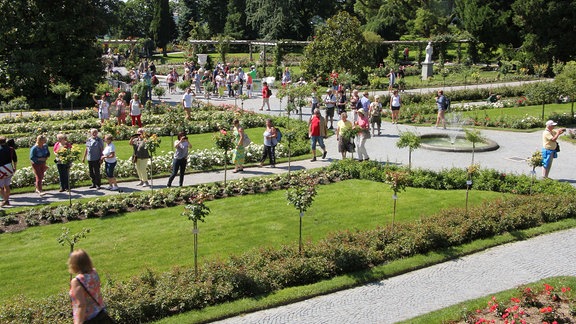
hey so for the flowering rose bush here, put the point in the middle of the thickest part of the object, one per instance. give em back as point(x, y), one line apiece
point(545, 304)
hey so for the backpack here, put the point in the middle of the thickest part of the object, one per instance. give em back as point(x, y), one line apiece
point(269, 93)
point(278, 135)
point(155, 80)
point(446, 103)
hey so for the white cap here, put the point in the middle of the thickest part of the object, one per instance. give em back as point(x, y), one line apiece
point(551, 123)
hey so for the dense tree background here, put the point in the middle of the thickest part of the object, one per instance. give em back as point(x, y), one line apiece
point(45, 42)
point(55, 41)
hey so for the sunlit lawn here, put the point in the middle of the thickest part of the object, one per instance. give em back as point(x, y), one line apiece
point(32, 263)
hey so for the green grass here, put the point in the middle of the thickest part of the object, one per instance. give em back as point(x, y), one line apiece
point(294, 294)
point(32, 263)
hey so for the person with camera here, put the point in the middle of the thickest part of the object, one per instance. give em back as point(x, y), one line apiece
point(550, 146)
point(140, 157)
point(180, 158)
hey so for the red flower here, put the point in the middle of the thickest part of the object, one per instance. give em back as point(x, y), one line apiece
point(565, 289)
point(514, 299)
point(223, 132)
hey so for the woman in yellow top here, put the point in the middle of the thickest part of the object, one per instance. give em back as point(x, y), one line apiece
point(550, 146)
point(343, 142)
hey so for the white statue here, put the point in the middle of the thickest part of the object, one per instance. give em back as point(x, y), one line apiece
point(429, 51)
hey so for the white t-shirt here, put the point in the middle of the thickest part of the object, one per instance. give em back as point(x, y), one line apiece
point(135, 107)
point(107, 151)
point(187, 98)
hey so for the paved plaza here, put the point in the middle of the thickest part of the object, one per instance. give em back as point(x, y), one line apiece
point(421, 291)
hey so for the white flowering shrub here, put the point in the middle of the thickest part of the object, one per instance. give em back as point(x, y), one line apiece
point(197, 160)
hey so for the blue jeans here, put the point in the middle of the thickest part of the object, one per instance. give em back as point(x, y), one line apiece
point(178, 165)
point(109, 169)
point(317, 139)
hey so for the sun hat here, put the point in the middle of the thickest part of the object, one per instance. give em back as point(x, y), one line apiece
point(551, 123)
point(328, 90)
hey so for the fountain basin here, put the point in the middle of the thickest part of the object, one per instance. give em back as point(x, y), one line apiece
point(443, 142)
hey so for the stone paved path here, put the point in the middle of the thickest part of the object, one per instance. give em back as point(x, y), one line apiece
point(422, 291)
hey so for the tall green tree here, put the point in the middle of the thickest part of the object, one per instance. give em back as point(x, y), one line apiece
point(134, 17)
point(162, 27)
point(287, 19)
point(488, 22)
point(235, 26)
point(44, 42)
point(213, 13)
point(548, 28)
point(188, 11)
point(338, 45)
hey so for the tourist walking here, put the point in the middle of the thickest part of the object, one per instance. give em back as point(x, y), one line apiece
point(341, 127)
point(239, 153)
point(355, 104)
point(317, 131)
point(103, 108)
point(550, 147)
point(39, 154)
point(87, 303)
point(342, 101)
point(270, 142)
point(266, 92)
point(180, 159)
point(63, 167)
point(364, 124)
point(93, 153)
point(314, 102)
point(8, 161)
point(330, 104)
point(120, 104)
point(109, 158)
point(140, 157)
point(187, 100)
point(375, 114)
point(136, 111)
point(442, 106)
point(395, 103)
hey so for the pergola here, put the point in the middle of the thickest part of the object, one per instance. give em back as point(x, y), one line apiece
point(420, 44)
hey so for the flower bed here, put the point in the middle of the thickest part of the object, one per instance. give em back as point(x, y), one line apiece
point(544, 304)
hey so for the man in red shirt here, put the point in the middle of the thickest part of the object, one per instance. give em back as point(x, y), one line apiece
point(317, 131)
point(265, 95)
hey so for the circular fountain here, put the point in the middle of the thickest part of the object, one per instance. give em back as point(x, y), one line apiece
point(454, 140)
point(448, 142)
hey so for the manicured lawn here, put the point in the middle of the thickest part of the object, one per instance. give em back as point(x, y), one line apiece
point(33, 264)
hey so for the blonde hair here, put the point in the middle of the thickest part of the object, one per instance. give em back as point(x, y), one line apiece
point(61, 136)
point(108, 136)
point(79, 262)
point(40, 138)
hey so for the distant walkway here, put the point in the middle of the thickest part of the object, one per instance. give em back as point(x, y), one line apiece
point(433, 288)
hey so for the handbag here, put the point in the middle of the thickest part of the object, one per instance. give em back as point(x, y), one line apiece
point(102, 317)
point(351, 147)
point(557, 147)
point(134, 158)
point(246, 141)
point(6, 171)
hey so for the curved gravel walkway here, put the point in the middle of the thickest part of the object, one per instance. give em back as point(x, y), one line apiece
point(422, 291)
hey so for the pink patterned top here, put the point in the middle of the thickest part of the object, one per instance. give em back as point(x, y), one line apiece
point(91, 281)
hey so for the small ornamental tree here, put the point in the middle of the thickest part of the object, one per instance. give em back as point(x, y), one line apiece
point(151, 143)
point(60, 89)
point(301, 197)
point(71, 240)
point(471, 171)
point(474, 136)
point(534, 161)
point(67, 156)
point(224, 140)
point(196, 211)
point(72, 96)
point(397, 181)
point(412, 141)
